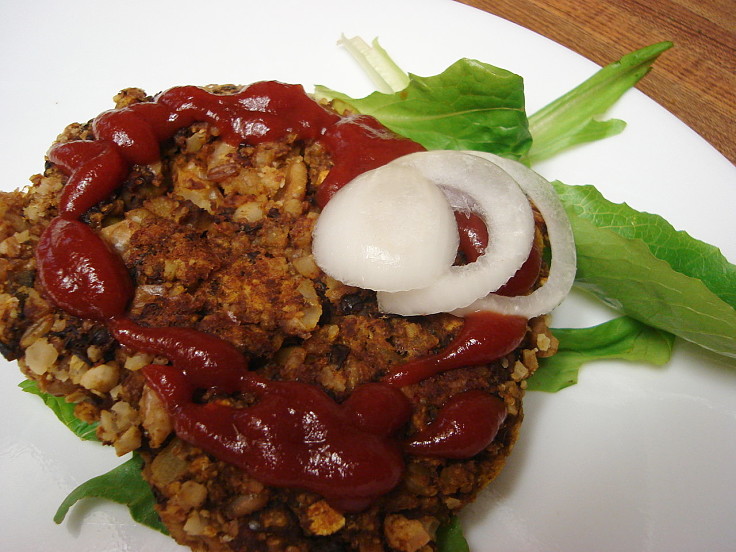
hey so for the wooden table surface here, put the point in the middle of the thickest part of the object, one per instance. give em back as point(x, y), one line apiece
point(695, 80)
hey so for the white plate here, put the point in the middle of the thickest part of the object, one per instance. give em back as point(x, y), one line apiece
point(632, 458)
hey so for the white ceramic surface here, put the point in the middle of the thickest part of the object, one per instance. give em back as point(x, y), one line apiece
point(633, 458)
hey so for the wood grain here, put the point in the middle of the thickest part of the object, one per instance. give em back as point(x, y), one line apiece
point(695, 80)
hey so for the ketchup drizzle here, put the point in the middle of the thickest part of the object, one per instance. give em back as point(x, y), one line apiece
point(80, 273)
point(294, 434)
point(347, 139)
point(473, 235)
point(473, 242)
point(464, 426)
point(484, 337)
point(95, 169)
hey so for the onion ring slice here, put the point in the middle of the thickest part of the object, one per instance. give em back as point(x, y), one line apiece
point(470, 183)
point(374, 234)
point(563, 266)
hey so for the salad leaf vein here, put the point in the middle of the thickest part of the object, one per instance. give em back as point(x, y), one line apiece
point(571, 119)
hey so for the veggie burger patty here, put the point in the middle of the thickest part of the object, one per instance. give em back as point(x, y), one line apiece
point(216, 316)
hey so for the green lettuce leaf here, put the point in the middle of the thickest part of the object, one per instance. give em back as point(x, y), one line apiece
point(571, 119)
point(124, 485)
point(63, 410)
point(637, 263)
point(470, 105)
point(450, 537)
point(683, 253)
point(622, 338)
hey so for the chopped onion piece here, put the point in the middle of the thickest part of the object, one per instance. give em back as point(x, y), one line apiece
point(388, 229)
point(470, 184)
point(562, 269)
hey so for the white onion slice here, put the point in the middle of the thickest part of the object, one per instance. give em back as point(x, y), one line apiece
point(470, 184)
point(389, 229)
point(562, 269)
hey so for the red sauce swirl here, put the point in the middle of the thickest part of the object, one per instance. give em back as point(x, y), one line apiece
point(464, 426)
point(484, 337)
point(473, 235)
point(294, 434)
point(473, 242)
point(207, 360)
point(95, 169)
point(359, 143)
point(80, 273)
